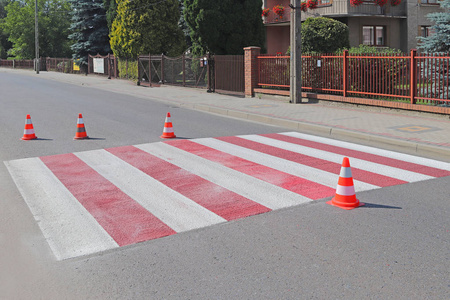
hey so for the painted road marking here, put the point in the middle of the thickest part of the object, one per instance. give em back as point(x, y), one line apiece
point(92, 201)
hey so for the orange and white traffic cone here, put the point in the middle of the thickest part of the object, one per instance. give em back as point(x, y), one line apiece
point(345, 193)
point(81, 130)
point(28, 132)
point(168, 129)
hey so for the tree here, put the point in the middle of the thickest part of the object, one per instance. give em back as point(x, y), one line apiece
point(147, 26)
point(53, 24)
point(439, 40)
point(4, 43)
point(111, 11)
point(324, 35)
point(90, 30)
point(224, 27)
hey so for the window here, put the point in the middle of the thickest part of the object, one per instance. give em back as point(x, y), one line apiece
point(425, 31)
point(429, 2)
point(374, 35)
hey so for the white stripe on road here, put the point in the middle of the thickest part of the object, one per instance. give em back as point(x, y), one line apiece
point(306, 172)
point(68, 227)
point(174, 209)
point(247, 186)
point(337, 158)
point(372, 150)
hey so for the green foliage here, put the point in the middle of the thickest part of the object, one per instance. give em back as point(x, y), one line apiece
point(128, 70)
point(365, 49)
point(4, 43)
point(439, 41)
point(53, 28)
point(111, 11)
point(224, 27)
point(89, 30)
point(147, 26)
point(324, 35)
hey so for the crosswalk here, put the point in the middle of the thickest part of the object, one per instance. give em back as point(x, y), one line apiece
point(92, 201)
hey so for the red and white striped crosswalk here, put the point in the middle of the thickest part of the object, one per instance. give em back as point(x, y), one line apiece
point(91, 201)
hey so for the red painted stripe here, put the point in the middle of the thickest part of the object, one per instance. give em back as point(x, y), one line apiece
point(421, 169)
point(362, 175)
point(217, 199)
point(124, 219)
point(309, 189)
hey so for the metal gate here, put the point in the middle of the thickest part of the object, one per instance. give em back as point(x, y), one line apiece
point(229, 74)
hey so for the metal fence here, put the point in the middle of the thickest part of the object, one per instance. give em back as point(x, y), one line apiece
point(415, 78)
point(15, 63)
point(228, 73)
point(183, 70)
point(63, 65)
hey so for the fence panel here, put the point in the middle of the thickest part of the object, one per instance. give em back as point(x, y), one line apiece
point(229, 73)
point(414, 78)
point(380, 76)
point(433, 80)
point(273, 71)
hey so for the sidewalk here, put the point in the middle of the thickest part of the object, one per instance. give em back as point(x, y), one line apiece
point(410, 132)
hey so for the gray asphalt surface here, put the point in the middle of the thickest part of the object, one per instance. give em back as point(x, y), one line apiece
point(396, 247)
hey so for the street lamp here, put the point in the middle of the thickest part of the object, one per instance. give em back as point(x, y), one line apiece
point(36, 35)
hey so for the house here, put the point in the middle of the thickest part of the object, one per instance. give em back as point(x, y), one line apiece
point(387, 26)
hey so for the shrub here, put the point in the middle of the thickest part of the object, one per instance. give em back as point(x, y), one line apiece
point(324, 35)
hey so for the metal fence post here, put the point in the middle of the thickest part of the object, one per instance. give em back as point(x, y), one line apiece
point(413, 77)
point(139, 70)
point(184, 69)
point(162, 68)
point(150, 70)
point(345, 73)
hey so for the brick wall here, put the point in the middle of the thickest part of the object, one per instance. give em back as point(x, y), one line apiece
point(251, 69)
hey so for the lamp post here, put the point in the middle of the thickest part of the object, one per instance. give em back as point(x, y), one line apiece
point(36, 35)
point(296, 53)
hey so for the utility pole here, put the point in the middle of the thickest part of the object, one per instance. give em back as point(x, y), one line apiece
point(36, 35)
point(296, 53)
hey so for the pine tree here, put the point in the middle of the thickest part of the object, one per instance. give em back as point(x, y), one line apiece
point(439, 41)
point(90, 30)
point(225, 26)
point(147, 26)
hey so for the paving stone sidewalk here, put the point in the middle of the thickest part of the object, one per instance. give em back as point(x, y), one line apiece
point(411, 132)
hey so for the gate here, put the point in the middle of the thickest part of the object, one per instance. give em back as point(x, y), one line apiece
point(104, 65)
point(222, 73)
point(229, 74)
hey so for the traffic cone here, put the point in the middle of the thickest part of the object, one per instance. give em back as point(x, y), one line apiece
point(81, 131)
point(168, 129)
point(345, 193)
point(28, 132)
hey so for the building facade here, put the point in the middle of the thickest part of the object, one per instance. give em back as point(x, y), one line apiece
point(388, 26)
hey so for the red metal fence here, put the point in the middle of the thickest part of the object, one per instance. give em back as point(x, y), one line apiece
point(416, 78)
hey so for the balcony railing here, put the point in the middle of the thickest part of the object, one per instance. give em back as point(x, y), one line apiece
point(272, 18)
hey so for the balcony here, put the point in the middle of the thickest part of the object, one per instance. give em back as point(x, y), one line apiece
point(273, 18)
point(335, 8)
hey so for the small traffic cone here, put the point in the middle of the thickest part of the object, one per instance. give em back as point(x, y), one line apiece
point(168, 129)
point(81, 131)
point(345, 193)
point(28, 132)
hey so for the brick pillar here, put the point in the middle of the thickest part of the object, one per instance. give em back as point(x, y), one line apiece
point(251, 69)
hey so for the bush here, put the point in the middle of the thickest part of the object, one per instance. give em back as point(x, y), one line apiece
point(129, 73)
point(324, 35)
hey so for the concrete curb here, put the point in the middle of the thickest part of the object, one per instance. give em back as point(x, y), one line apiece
point(409, 147)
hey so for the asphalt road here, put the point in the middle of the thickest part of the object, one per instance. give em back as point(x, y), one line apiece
point(395, 247)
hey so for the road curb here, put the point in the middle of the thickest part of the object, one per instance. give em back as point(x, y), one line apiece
point(430, 151)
